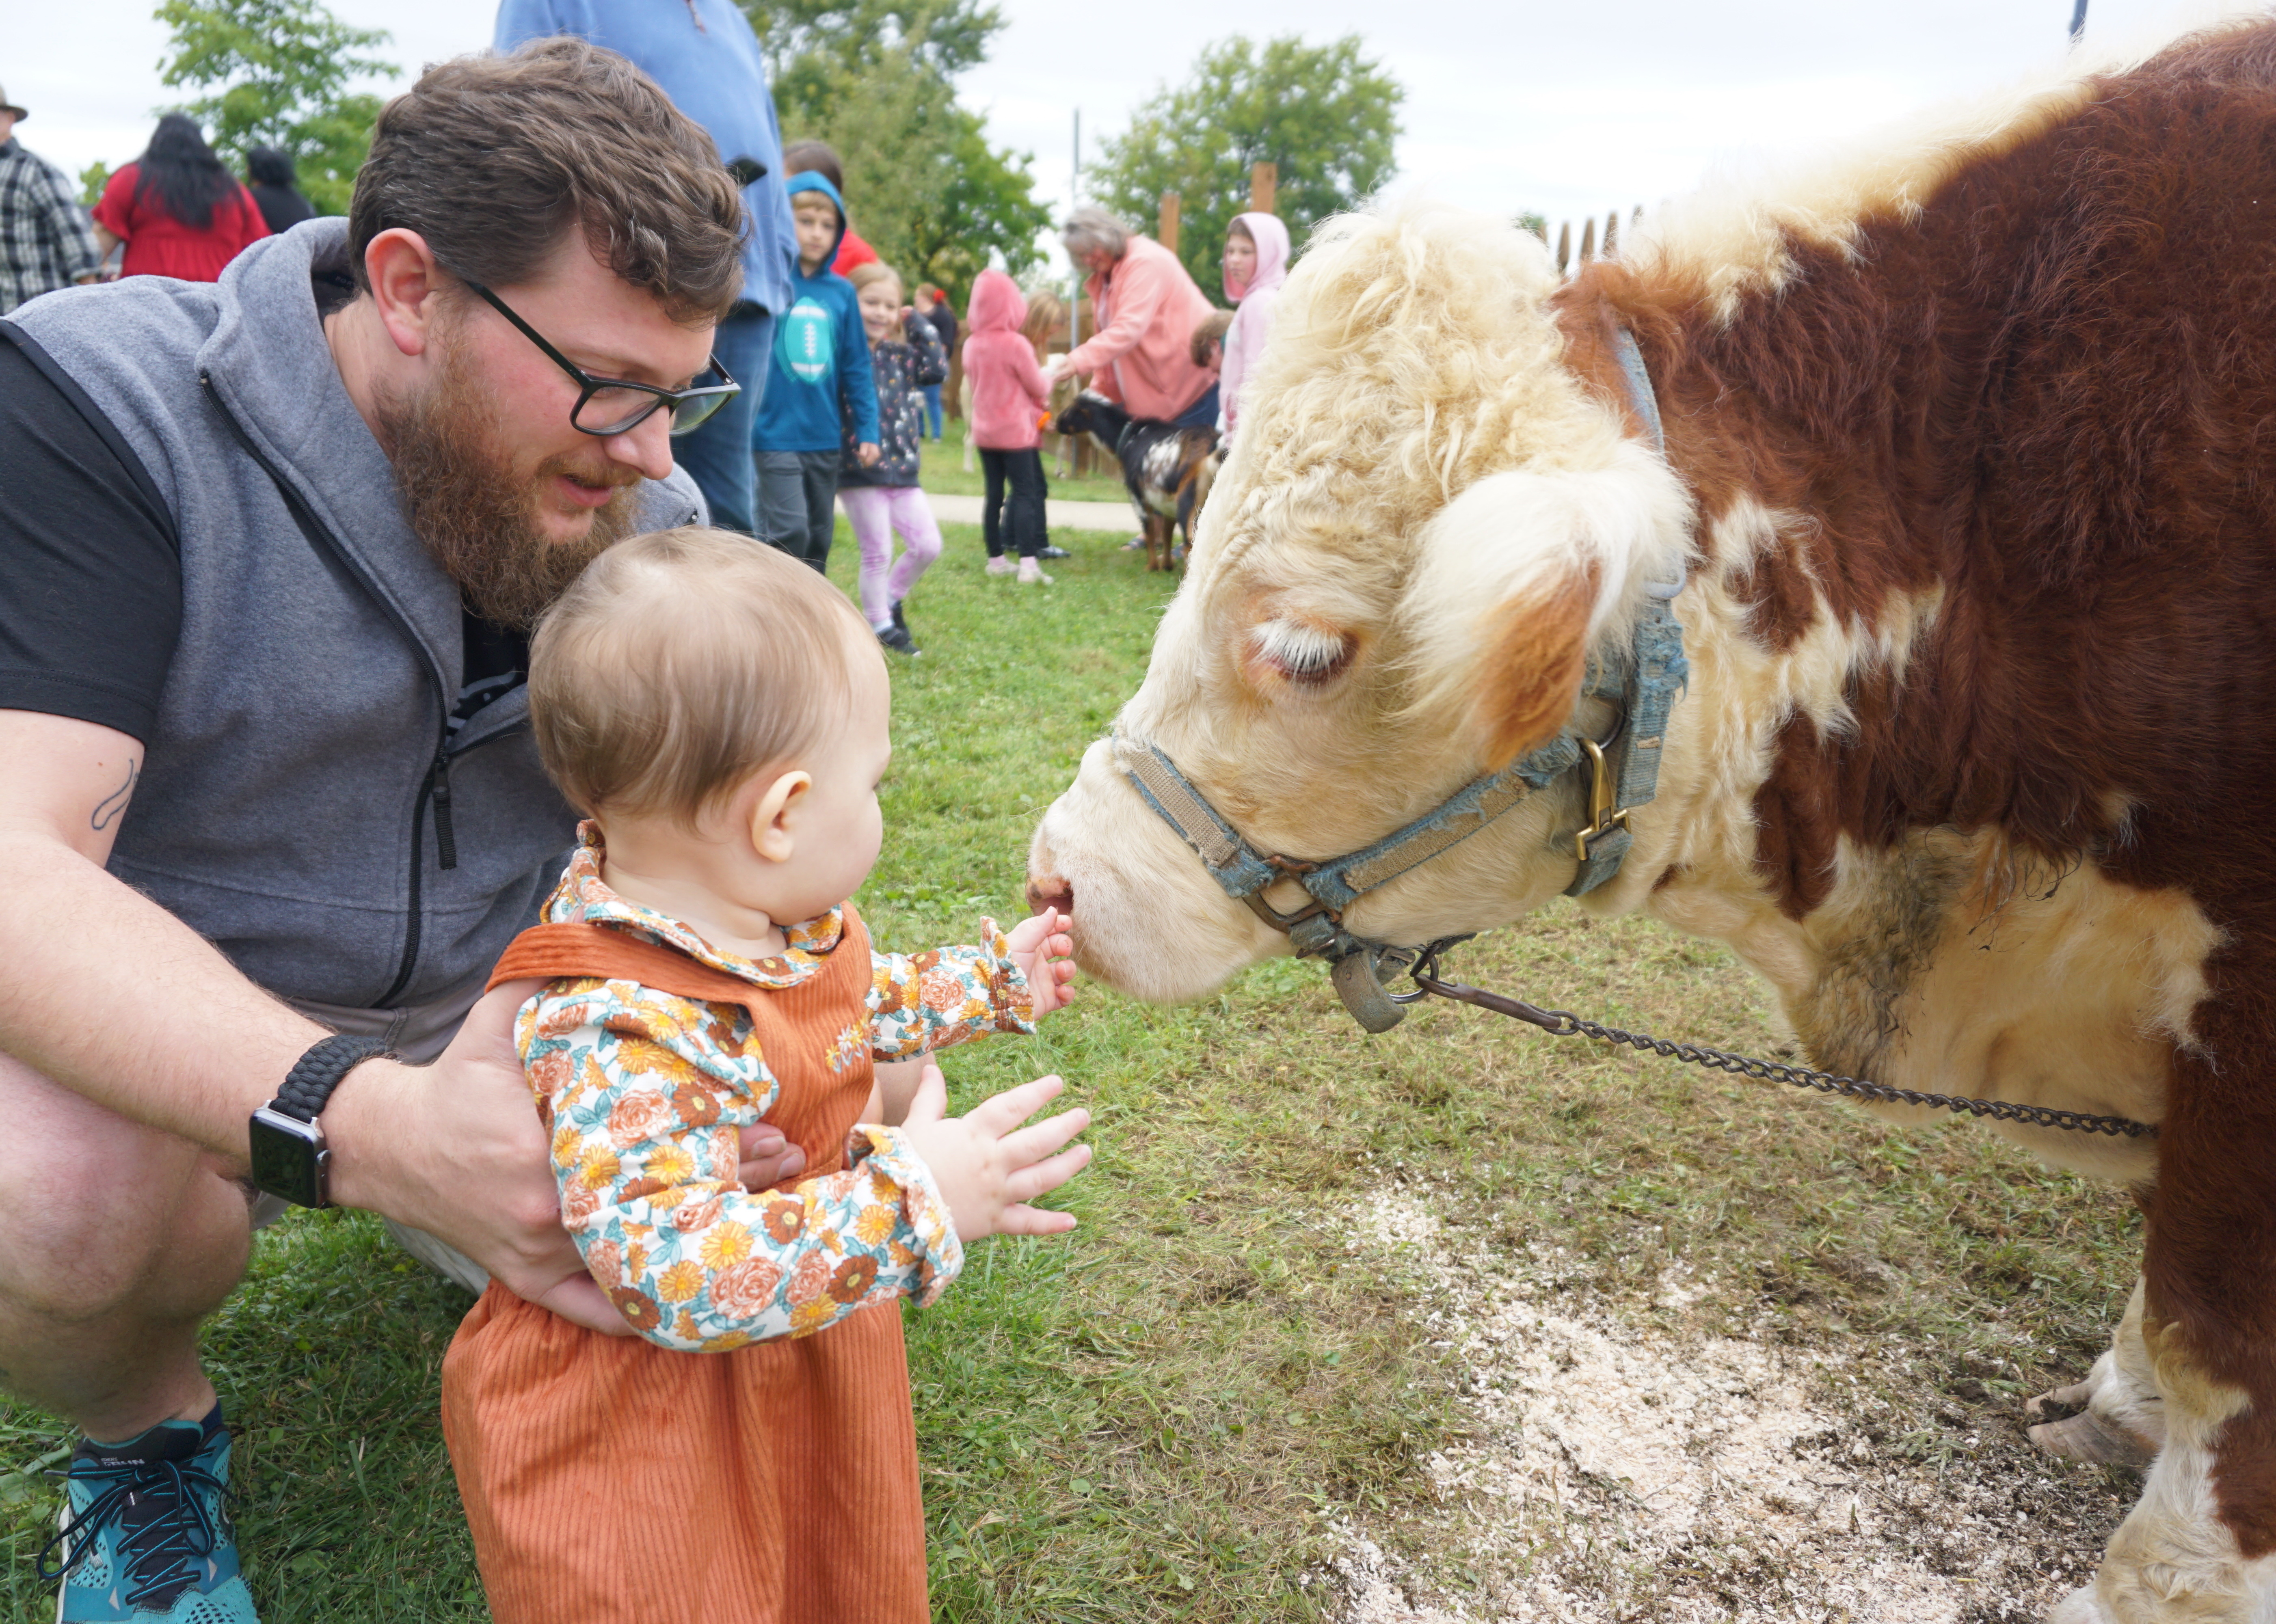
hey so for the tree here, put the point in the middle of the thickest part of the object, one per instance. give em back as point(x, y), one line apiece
point(279, 71)
point(1325, 115)
point(875, 80)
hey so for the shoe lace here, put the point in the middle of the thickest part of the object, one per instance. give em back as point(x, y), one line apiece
point(158, 1554)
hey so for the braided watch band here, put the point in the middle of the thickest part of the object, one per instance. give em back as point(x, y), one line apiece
point(309, 1086)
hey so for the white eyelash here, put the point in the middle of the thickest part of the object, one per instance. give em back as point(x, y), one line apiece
point(1298, 649)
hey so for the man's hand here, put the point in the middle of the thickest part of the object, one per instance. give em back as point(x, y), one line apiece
point(988, 1167)
point(456, 1148)
point(1044, 951)
point(765, 1157)
point(866, 454)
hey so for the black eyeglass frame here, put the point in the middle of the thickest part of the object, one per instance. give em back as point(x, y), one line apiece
point(717, 394)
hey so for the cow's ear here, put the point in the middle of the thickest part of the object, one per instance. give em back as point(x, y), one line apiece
point(1536, 649)
point(1518, 578)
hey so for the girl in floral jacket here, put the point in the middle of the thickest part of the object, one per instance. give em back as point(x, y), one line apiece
point(749, 1452)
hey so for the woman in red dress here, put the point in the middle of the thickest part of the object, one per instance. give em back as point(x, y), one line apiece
point(178, 211)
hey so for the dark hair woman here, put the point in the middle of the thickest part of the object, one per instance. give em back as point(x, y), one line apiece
point(274, 188)
point(178, 211)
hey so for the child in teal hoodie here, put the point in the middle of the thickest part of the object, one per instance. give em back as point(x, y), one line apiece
point(821, 359)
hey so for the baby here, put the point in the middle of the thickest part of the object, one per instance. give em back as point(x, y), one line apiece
point(719, 713)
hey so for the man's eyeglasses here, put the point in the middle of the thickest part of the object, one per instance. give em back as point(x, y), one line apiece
point(615, 405)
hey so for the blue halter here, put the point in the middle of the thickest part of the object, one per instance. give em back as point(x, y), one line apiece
point(1622, 773)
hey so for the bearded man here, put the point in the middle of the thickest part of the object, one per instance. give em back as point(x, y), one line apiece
point(269, 559)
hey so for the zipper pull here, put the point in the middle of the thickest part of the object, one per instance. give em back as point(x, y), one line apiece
point(447, 843)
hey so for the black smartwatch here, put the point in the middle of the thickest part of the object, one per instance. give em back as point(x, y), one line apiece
point(289, 1156)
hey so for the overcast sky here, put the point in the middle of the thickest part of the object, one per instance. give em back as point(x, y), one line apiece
point(1569, 111)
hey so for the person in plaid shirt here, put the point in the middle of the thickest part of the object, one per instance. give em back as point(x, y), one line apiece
point(45, 242)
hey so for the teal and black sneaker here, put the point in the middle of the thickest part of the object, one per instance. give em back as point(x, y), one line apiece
point(145, 1535)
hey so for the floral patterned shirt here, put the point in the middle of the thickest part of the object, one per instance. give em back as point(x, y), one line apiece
point(644, 1092)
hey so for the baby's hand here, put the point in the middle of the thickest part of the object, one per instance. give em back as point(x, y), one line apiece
point(988, 1167)
point(1041, 948)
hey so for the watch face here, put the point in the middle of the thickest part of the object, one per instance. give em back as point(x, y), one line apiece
point(288, 1158)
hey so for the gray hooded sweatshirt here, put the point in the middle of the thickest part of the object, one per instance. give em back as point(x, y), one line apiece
point(298, 805)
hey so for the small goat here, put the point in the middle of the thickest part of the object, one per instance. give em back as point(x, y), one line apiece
point(1166, 469)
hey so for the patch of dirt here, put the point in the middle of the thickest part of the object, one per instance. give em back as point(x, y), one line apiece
point(1614, 1474)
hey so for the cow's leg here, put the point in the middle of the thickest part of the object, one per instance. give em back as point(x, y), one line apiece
point(2124, 1421)
point(2180, 1556)
point(2199, 1547)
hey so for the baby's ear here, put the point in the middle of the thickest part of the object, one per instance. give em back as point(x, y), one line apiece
point(770, 831)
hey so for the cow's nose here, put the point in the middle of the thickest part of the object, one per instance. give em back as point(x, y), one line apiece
point(1049, 891)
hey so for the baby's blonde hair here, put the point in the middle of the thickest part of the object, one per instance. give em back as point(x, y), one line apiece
point(681, 662)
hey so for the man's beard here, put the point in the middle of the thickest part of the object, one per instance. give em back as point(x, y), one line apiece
point(473, 514)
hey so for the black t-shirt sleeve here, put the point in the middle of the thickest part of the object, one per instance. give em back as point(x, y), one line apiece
point(90, 568)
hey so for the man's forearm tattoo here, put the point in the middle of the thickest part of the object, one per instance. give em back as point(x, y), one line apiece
point(107, 810)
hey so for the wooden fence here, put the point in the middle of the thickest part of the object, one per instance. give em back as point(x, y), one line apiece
point(1591, 248)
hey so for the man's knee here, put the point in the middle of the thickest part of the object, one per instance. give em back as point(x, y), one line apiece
point(111, 1212)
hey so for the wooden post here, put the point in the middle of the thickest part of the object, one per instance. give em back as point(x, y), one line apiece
point(1167, 234)
point(1612, 233)
point(1589, 240)
point(1263, 184)
point(1563, 246)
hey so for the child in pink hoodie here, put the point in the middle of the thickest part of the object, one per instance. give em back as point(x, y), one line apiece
point(1256, 265)
point(1009, 400)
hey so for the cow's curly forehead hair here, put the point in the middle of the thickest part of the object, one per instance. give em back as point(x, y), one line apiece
point(494, 159)
point(1413, 353)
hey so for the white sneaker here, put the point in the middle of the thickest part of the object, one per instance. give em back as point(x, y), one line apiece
point(1000, 565)
point(1032, 573)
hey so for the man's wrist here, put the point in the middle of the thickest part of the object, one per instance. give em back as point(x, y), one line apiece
point(355, 1130)
point(289, 1152)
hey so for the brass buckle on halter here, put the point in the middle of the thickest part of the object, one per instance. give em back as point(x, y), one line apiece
point(1603, 816)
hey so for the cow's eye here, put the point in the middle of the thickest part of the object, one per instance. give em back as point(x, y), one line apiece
point(1300, 651)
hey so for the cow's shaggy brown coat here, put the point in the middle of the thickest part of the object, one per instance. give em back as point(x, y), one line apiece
point(1972, 451)
point(2049, 394)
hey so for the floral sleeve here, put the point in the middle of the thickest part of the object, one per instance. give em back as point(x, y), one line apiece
point(920, 1002)
point(644, 1093)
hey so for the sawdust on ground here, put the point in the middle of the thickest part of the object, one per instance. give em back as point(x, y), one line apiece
point(1609, 1475)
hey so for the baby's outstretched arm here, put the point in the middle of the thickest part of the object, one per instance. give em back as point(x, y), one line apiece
point(650, 1116)
point(921, 1002)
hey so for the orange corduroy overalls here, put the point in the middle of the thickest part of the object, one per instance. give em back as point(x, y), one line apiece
point(610, 1481)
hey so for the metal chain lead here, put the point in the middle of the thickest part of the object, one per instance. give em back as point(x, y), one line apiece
point(1564, 1023)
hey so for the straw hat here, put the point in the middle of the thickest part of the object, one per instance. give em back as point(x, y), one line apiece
point(6, 106)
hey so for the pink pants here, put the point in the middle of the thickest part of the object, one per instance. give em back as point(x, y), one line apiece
point(871, 510)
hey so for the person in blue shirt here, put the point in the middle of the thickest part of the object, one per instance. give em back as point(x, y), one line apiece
point(705, 57)
point(821, 380)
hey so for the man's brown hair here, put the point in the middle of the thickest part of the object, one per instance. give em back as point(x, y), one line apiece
point(493, 159)
point(681, 662)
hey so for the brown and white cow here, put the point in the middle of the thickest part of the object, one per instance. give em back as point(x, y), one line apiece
point(1972, 460)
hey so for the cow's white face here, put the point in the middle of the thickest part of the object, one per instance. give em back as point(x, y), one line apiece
point(1425, 524)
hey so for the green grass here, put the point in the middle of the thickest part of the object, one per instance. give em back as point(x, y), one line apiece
point(942, 471)
point(1157, 1417)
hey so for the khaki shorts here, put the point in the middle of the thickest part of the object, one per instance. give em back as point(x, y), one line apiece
point(418, 1033)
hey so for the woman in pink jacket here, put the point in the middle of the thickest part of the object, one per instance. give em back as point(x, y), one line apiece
point(1147, 308)
point(1256, 265)
point(1009, 400)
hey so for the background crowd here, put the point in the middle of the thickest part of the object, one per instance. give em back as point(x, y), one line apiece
point(842, 365)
